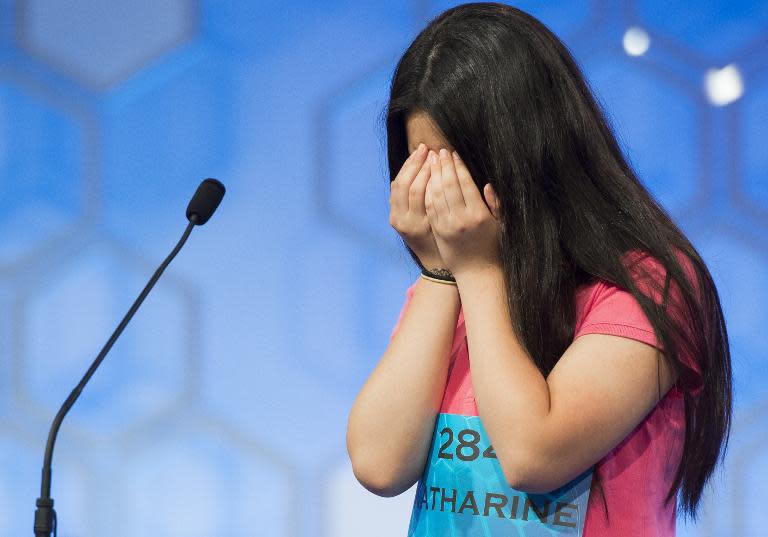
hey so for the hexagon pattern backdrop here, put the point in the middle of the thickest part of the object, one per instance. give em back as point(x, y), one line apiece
point(222, 410)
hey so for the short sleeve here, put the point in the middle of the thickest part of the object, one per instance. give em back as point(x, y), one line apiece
point(408, 296)
point(616, 311)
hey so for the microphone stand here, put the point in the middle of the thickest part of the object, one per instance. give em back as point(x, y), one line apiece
point(45, 515)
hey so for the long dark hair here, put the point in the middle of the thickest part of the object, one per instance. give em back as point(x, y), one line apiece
point(506, 93)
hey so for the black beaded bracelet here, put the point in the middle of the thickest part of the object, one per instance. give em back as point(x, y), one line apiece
point(439, 274)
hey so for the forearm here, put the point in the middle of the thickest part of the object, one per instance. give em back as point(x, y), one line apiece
point(391, 422)
point(512, 395)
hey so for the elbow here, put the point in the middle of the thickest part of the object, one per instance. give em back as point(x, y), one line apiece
point(528, 484)
point(376, 472)
point(529, 473)
point(376, 467)
point(516, 477)
point(377, 480)
point(514, 467)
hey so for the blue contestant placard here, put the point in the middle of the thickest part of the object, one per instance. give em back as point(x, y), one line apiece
point(463, 491)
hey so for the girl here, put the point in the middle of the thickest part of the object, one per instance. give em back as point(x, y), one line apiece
point(562, 362)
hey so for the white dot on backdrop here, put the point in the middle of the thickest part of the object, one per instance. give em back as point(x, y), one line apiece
point(636, 41)
point(723, 86)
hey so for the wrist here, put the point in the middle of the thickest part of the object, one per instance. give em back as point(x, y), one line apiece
point(439, 287)
point(431, 262)
point(438, 273)
point(440, 281)
point(479, 275)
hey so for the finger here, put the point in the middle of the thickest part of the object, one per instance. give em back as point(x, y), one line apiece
point(492, 199)
point(468, 187)
point(402, 182)
point(429, 205)
point(451, 187)
point(417, 192)
point(436, 186)
point(412, 165)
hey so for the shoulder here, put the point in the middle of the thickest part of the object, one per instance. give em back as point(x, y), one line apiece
point(648, 274)
point(607, 308)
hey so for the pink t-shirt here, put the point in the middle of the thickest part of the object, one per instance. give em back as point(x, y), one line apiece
point(638, 472)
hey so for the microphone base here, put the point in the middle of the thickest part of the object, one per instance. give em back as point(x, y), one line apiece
point(45, 517)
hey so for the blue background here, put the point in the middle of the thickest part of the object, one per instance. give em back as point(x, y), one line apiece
point(222, 410)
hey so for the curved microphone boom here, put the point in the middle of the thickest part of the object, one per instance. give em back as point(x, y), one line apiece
point(202, 205)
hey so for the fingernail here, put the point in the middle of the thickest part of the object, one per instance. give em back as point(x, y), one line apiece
point(443, 153)
point(432, 157)
point(420, 149)
point(455, 155)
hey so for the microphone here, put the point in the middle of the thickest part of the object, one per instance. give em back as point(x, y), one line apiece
point(201, 207)
point(205, 201)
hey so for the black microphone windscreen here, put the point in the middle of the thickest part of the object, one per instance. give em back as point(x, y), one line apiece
point(205, 201)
